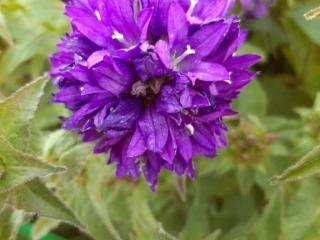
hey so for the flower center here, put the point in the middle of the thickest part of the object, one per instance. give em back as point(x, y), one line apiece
point(149, 89)
point(151, 75)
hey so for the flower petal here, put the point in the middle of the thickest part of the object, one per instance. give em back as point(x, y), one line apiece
point(209, 72)
point(154, 128)
point(208, 38)
point(137, 145)
point(177, 24)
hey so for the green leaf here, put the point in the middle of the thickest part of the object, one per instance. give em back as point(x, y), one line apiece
point(20, 53)
point(252, 100)
point(42, 227)
point(307, 166)
point(269, 225)
point(59, 143)
point(3, 200)
point(196, 226)
point(10, 221)
point(302, 216)
point(310, 28)
point(143, 221)
point(252, 48)
point(4, 32)
point(2, 168)
point(35, 197)
point(19, 167)
point(245, 177)
point(84, 195)
point(214, 236)
point(268, 33)
point(33, 41)
point(75, 195)
point(161, 234)
point(17, 111)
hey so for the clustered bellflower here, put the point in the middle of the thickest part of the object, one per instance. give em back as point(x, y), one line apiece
point(150, 81)
point(256, 8)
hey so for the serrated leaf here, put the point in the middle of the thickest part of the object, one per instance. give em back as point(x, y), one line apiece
point(314, 13)
point(307, 166)
point(20, 167)
point(35, 197)
point(42, 227)
point(17, 111)
point(10, 221)
point(84, 198)
point(76, 197)
point(59, 143)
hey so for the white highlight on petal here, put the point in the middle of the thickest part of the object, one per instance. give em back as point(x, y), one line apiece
point(193, 4)
point(190, 128)
point(97, 13)
point(228, 81)
point(145, 46)
point(189, 51)
point(118, 36)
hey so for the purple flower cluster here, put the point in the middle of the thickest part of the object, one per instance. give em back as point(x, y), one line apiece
point(256, 8)
point(149, 81)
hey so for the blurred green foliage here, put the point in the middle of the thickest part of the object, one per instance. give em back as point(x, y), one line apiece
point(230, 199)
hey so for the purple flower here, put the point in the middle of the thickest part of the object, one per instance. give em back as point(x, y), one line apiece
point(256, 8)
point(150, 81)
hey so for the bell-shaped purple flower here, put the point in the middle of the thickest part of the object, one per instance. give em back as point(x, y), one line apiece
point(256, 8)
point(150, 81)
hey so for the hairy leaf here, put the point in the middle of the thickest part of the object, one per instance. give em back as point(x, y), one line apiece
point(307, 166)
point(10, 221)
point(35, 197)
point(42, 227)
point(77, 198)
point(19, 167)
point(17, 111)
point(83, 198)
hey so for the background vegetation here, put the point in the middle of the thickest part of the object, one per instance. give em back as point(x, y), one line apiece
point(49, 179)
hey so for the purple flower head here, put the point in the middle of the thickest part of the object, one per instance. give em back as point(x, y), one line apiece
point(150, 81)
point(256, 8)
